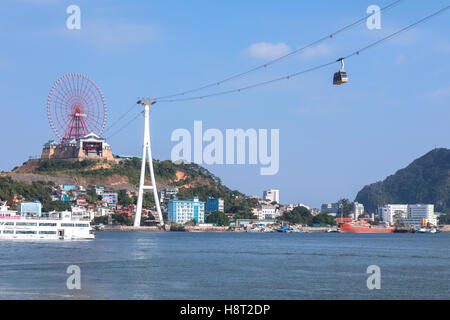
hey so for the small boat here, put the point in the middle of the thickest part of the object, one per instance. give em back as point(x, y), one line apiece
point(284, 229)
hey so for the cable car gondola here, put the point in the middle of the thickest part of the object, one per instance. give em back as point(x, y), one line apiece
point(340, 77)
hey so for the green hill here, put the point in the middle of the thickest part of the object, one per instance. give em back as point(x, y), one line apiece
point(191, 180)
point(425, 180)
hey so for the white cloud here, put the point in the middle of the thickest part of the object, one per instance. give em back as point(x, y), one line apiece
point(267, 50)
point(317, 51)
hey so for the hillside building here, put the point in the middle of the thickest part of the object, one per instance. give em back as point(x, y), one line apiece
point(91, 146)
point(214, 205)
point(272, 195)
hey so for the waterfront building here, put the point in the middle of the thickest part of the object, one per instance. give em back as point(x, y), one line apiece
point(214, 205)
point(183, 211)
point(330, 208)
point(419, 214)
point(263, 212)
point(387, 212)
point(109, 197)
point(272, 195)
point(242, 223)
point(358, 210)
point(25, 209)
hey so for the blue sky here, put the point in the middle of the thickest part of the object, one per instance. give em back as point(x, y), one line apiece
point(333, 140)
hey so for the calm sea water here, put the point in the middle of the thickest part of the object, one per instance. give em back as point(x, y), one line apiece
point(132, 265)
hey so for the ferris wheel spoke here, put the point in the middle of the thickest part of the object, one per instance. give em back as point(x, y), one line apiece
point(85, 86)
point(92, 95)
point(61, 94)
point(68, 89)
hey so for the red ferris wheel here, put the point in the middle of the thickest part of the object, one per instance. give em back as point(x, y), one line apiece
point(76, 107)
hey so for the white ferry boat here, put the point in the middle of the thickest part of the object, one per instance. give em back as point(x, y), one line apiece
point(51, 226)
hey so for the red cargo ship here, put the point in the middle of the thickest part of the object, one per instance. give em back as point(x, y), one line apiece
point(348, 225)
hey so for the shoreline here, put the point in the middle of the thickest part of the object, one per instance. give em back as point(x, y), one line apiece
point(167, 228)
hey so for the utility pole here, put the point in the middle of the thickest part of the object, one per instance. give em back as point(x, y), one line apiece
point(147, 151)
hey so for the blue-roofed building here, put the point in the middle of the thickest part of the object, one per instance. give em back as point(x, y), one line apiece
point(182, 211)
point(65, 198)
point(68, 187)
point(214, 205)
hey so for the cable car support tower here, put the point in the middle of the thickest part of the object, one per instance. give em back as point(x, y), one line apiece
point(147, 152)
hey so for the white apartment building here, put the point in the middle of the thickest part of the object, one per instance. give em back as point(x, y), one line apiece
point(421, 212)
point(358, 209)
point(272, 195)
point(263, 212)
point(413, 214)
point(387, 212)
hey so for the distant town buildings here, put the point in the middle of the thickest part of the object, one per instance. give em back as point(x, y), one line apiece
point(68, 187)
point(272, 195)
point(387, 212)
point(330, 208)
point(263, 212)
point(99, 190)
point(358, 210)
point(419, 214)
point(183, 211)
point(168, 194)
point(109, 197)
point(81, 213)
point(410, 214)
point(214, 205)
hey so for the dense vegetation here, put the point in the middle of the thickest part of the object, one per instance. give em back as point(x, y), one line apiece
point(301, 215)
point(218, 218)
point(56, 206)
point(165, 171)
point(49, 166)
point(39, 190)
point(425, 180)
point(444, 219)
